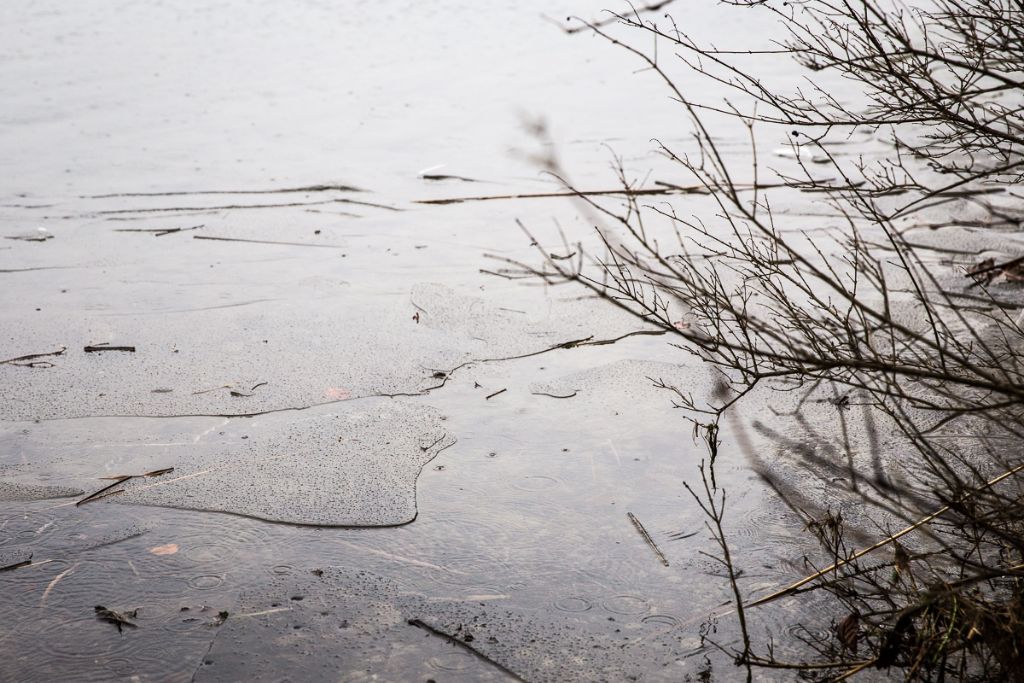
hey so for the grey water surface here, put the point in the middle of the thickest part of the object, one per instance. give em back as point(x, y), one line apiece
point(387, 464)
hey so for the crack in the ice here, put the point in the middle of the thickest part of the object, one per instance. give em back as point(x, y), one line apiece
point(571, 344)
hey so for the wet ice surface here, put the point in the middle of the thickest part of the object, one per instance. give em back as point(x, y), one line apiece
point(23, 492)
point(304, 620)
point(227, 362)
point(624, 382)
point(355, 467)
point(265, 357)
point(522, 537)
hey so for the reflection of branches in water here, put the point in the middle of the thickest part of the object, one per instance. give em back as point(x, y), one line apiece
point(855, 315)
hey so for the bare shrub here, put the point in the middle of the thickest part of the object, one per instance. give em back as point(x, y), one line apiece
point(856, 313)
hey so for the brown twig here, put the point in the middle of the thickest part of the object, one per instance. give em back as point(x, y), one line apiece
point(20, 361)
point(580, 193)
point(186, 193)
point(96, 494)
point(647, 538)
point(273, 242)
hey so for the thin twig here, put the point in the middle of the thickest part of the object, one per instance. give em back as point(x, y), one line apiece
point(647, 538)
point(452, 640)
point(881, 544)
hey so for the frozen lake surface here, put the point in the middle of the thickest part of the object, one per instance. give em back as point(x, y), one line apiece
point(374, 444)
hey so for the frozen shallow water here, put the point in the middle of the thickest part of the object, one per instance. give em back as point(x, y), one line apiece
point(232, 192)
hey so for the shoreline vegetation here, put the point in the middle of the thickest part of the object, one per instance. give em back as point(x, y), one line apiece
point(919, 359)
